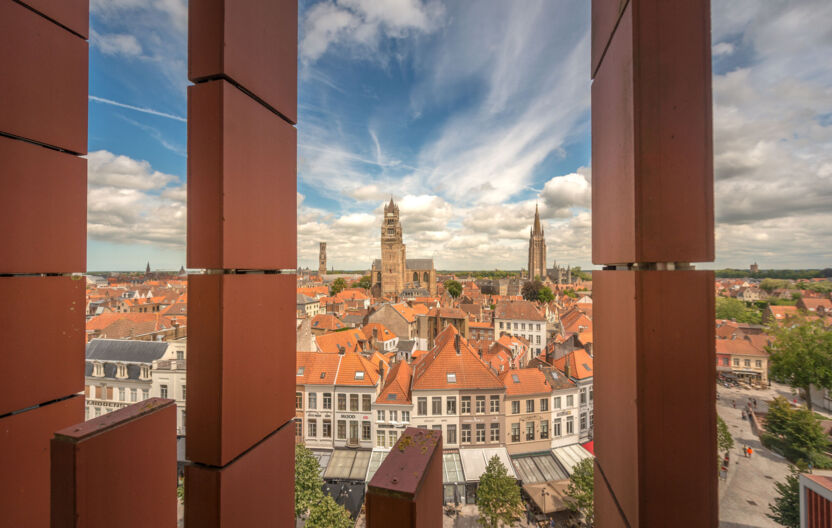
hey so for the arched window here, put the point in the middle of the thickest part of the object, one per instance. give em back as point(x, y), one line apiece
point(415, 276)
point(426, 277)
point(378, 277)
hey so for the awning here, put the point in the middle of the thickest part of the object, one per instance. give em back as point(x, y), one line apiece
point(452, 468)
point(475, 460)
point(548, 496)
point(589, 446)
point(323, 457)
point(376, 459)
point(570, 455)
point(348, 464)
point(534, 468)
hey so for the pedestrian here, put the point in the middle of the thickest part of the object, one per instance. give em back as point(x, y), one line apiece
point(745, 451)
point(734, 403)
point(743, 414)
point(750, 451)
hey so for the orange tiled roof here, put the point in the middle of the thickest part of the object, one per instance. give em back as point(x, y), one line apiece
point(383, 334)
point(523, 310)
point(351, 365)
point(326, 322)
point(737, 347)
point(396, 388)
point(405, 311)
point(318, 368)
point(470, 371)
point(580, 364)
point(525, 381)
point(350, 340)
point(781, 312)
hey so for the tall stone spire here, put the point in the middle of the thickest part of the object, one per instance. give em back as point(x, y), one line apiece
point(537, 229)
point(537, 249)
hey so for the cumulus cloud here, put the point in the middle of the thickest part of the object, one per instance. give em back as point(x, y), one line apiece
point(360, 24)
point(562, 193)
point(116, 44)
point(129, 202)
point(722, 48)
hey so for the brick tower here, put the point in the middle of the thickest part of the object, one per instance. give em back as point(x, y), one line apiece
point(537, 249)
point(322, 260)
point(392, 252)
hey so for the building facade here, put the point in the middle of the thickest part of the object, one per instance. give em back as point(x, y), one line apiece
point(521, 318)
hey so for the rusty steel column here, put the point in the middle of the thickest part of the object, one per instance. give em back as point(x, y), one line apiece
point(406, 490)
point(43, 209)
point(652, 218)
point(242, 231)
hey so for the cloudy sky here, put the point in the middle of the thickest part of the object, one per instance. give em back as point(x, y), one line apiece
point(469, 114)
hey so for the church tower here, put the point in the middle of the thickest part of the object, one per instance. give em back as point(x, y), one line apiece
point(392, 252)
point(537, 249)
point(322, 260)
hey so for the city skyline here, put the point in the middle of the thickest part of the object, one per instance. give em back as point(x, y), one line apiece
point(415, 102)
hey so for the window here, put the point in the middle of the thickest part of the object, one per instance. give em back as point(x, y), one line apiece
point(365, 402)
point(591, 419)
point(537, 338)
point(298, 400)
point(544, 429)
point(583, 421)
point(747, 362)
point(450, 405)
point(515, 407)
point(495, 432)
point(380, 414)
point(312, 426)
point(480, 432)
point(529, 406)
point(538, 327)
point(342, 430)
point(365, 430)
point(529, 431)
point(145, 394)
point(298, 428)
point(145, 372)
point(121, 394)
point(451, 434)
point(98, 370)
point(326, 429)
point(515, 326)
point(312, 400)
point(451, 377)
point(583, 396)
point(480, 404)
point(556, 427)
point(98, 411)
point(522, 326)
point(300, 371)
point(359, 374)
point(557, 402)
point(184, 393)
point(758, 363)
point(591, 396)
point(422, 406)
point(122, 371)
point(570, 425)
point(180, 355)
point(406, 416)
point(436, 405)
point(466, 405)
point(495, 404)
point(515, 432)
point(392, 436)
point(544, 404)
point(466, 433)
point(133, 393)
point(380, 438)
point(736, 362)
point(570, 401)
point(163, 389)
point(353, 402)
point(342, 402)
point(327, 400)
point(501, 325)
point(394, 416)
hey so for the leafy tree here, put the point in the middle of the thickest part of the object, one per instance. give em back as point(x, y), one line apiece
point(498, 496)
point(724, 441)
point(180, 491)
point(778, 416)
point(545, 295)
point(364, 282)
point(577, 272)
point(770, 285)
point(805, 438)
point(338, 286)
point(581, 488)
point(327, 513)
point(531, 290)
point(801, 355)
point(736, 310)
point(453, 287)
point(308, 482)
point(786, 508)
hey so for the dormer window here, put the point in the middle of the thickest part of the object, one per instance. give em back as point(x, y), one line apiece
point(145, 372)
point(121, 371)
point(451, 377)
point(97, 369)
point(359, 374)
point(300, 371)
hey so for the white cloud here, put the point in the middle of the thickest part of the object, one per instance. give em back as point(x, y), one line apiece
point(105, 169)
point(723, 48)
point(116, 44)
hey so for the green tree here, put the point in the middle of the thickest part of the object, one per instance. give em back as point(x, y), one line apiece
point(770, 285)
point(801, 355)
point(778, 416)
point(453, 287)
point(327, 513)
point(338, 286)
point(364, 282)
point(736, 310)
point(308, 482)
point(724, 441)
point(581, 488)
point(531, 290)
point(806, 439)
point(498, 496)
point(786, 508)
point(545, 295)
point(577, 272)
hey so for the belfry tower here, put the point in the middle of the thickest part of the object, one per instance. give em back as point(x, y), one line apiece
point(537, 249)
point(322, 260)
point(392, 251)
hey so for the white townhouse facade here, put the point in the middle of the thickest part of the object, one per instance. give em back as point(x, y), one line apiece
point(521, 318)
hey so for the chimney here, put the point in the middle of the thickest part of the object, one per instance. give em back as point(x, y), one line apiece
point(380, 372)
point(566, 367)
point(456, 343)
point(375, 332)
point(341, 349)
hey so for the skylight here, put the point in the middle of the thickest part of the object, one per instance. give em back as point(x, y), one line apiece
point(515, 378)
point(451, 377)
point(391, 396)
point(587, 367)
point(300, 371)
point(359, 374)
point(323, 375)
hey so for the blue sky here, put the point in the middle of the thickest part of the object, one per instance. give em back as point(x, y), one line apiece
point(469, 114)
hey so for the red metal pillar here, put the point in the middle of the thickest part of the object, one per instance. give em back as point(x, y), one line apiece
point(652, 217)
point(43, 205)
point(117, 470)
point(406, 491)
point(242, 230)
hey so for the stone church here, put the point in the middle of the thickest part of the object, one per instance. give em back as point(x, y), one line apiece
point(394, 272)
point(537, 257)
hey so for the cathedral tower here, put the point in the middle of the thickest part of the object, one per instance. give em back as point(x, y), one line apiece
point(537, 249)
point(322, 260)
point(392, 252)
